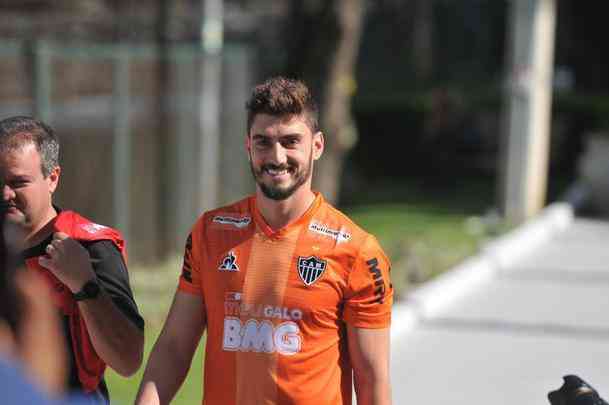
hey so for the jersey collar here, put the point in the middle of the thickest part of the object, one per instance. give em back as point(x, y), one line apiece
point(305, 218)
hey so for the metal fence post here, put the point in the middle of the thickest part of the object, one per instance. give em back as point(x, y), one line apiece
point(42, 81)
point(209, 113)
point(121, 156)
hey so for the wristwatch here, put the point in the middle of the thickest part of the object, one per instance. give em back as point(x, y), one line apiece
point(89, 291)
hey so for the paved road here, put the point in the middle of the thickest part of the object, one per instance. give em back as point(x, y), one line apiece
point(511, 338)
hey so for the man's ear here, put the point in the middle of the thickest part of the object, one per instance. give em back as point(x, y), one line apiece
point(53, 179)
point(318, 145)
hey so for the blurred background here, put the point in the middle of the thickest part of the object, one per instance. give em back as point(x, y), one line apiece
point(447, 122)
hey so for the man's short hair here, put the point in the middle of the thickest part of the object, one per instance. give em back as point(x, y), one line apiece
point(17, 132)
point(280, 96)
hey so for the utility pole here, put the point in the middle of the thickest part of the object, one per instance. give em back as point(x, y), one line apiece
point(212, 33)
point(528, 108)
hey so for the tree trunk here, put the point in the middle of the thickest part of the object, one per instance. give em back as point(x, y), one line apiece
point(324, 42)
point(422, 37)
point(336, 120)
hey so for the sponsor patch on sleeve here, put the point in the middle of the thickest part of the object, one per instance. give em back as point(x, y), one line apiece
point(379, 282)
point(186, 265)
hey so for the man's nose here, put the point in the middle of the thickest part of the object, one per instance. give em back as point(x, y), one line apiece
point(278, 154)
point(7, 192)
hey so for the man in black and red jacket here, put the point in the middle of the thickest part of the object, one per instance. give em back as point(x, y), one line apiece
point(82, 262)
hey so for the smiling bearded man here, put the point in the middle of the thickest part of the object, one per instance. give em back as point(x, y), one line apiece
point(295, 297)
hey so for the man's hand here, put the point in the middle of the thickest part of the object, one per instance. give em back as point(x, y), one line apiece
point(150, 395)
point(69, 261)
point(115, 338)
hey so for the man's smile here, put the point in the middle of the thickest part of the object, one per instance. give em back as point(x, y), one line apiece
point(278, 173)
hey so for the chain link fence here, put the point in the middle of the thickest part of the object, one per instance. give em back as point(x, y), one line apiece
point(129, 118)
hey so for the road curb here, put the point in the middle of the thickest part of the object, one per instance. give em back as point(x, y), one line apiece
point(434, 295)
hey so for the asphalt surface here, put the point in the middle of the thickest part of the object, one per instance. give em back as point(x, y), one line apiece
point(511, 335)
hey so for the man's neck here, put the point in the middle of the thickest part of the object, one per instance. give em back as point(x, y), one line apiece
point(42, 231)
point(279, 214)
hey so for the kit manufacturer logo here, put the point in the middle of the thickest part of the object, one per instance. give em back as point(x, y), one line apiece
point(229, 263)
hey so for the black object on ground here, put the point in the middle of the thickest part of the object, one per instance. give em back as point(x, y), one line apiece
point(575, 391)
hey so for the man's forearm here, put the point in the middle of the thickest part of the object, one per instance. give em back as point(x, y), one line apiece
point(372, 392)
point(369, 350)
point(172, 354)
point(165, 371)
point(117, 340)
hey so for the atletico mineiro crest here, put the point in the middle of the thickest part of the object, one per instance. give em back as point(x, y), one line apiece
point(310, 269)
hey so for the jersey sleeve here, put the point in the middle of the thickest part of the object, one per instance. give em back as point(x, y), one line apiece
point(369, 292)
point(190, 278)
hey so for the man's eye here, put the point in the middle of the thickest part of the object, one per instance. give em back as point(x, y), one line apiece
point(290, 142)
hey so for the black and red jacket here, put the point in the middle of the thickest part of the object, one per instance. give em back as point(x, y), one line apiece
point(87, 365)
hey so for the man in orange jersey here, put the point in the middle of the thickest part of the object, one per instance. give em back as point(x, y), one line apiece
point(295, 297)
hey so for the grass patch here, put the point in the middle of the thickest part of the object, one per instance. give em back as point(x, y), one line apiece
point(427, 228)
point(153, 288)
point(422, 241)
point(123, 390)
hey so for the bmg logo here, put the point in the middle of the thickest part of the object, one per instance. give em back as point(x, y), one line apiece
point(261, 336)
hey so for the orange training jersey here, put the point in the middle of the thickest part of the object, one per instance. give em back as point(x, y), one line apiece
point(276, 302)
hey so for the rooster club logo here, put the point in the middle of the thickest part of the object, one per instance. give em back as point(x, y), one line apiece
point(310, 269)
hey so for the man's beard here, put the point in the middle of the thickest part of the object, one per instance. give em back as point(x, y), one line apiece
point(278, 193)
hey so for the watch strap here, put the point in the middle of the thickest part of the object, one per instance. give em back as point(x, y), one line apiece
point(89, 290)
